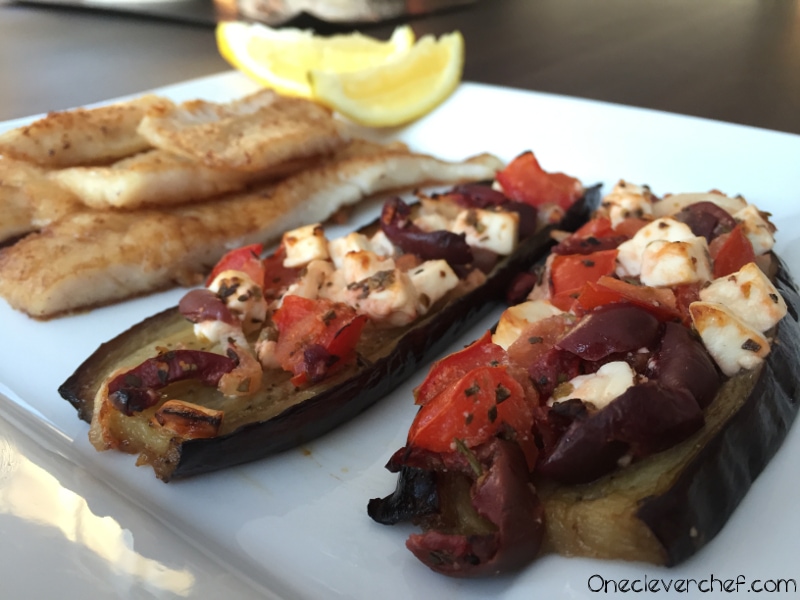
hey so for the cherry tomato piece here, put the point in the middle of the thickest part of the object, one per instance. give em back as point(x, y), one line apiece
point(568, 272)
point(731, 251)
point(450, 369)
point(246, 259)
point(472, 410)
point(315, 337)
point(524, 180)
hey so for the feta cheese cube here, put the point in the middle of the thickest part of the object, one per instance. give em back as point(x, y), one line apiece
point(314, 277)
point(516, 318)
point(757, 228)
point(388, 298)
point(305, 244)
point(362, 264)
point(352, 242)
point(627, 200)
point(493, 230)
point(677, 202)
point(629, 258)
point(432, 279)
point(732, 343)
point(381, 244)
point(243, 297)
point(676, 263)
point(599, 388)
point(750, 295)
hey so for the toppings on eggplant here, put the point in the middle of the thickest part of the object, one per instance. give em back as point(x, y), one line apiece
point(313, 333)
point(632, 351)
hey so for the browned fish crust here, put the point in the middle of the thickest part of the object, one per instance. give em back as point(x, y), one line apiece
point(93, 258)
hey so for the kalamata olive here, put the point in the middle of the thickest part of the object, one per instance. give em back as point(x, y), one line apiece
point(487, 518)
point(645, 419)
point(395, 223)
point(204, 305)
point(609, 330)
point(683, 362)
point(706, 219)
point(136, 389)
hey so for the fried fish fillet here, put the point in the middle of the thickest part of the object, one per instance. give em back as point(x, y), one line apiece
point(81, 136)
point(157, 178)
point(99, 257)
point(29, 200)
point(251, 134)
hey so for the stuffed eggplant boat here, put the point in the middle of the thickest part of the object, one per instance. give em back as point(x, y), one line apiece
point(623, 409)
point(275, 351)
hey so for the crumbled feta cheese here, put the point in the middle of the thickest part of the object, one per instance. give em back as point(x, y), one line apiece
point(677, 202)
point(387, 297)
point(493, 230)
point(219, 332)
point(381, 245)
point(627, 200)
point(305, 244)
point(599, 388)
point(432, 222)
point(750, 295)
point(732, 343)
point(516, 318)
point(360, 265)
point(676, 263)
point(629, 257)
point(352, 242)
point(757, 229)
point(243, 297)
point(432, 279)
point(310, 283)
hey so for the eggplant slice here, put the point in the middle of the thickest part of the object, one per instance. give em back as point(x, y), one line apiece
point(281, 417)
point(666, 507)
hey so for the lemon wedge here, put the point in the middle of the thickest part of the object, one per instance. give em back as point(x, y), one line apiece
point(282, 58)
point(400, 89)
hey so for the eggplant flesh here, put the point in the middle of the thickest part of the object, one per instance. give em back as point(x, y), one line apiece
point(281, 416)
point(663, 508)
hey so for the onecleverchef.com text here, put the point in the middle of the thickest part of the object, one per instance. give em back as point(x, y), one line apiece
point(601, 585)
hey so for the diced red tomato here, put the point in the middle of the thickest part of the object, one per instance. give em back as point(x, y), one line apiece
point(305, 324)
point(474, 409)
point(246, 259)
point(599, 227)
point(607, 290)
point(277, 277)
point(451, 368)
point(569, 272)
point(731, 251)
point(524, 180)
point(628, 227)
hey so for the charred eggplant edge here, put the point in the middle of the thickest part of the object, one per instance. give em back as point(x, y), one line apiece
point(323, 412)
point(696, 507)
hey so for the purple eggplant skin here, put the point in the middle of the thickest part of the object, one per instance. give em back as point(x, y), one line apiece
point(506, 527)
point(330, 406)
point(695, 508)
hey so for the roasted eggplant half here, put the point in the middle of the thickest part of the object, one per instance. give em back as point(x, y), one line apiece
point(156, 392)
point(659, 395)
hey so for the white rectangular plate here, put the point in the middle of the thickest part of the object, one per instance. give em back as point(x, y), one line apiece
point(295, 524)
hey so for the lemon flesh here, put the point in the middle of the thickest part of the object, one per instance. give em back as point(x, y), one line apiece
point(282, 58)
point(401, 89)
